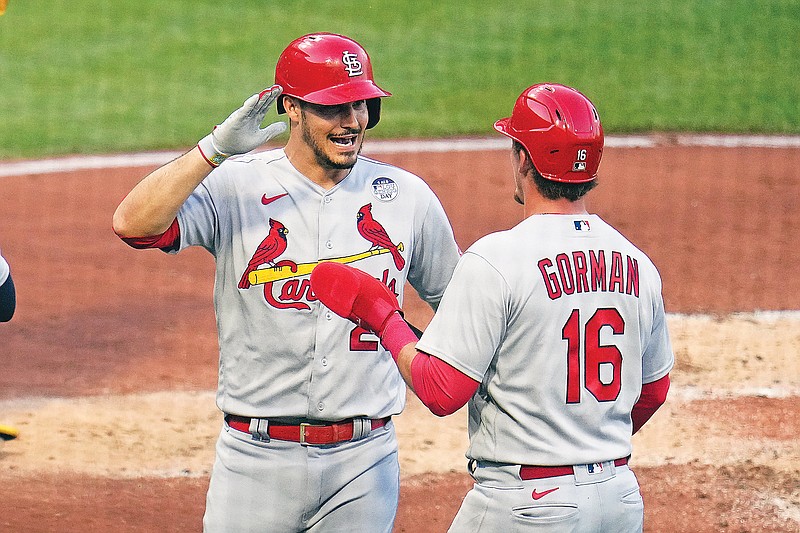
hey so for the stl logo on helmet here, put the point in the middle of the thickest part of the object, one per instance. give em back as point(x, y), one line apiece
point(351, 64)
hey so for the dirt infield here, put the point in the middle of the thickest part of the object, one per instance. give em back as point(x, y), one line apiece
point(110, 363)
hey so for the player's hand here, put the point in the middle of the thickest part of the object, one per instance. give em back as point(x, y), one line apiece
point(355, 295)
point(242, 131)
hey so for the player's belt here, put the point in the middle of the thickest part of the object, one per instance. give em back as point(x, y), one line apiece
point(306, 433)
point(540, 472)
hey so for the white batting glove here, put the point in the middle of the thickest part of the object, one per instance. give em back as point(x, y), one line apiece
point(242, 131)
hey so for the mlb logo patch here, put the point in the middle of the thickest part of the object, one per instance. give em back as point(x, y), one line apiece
point(594, 468)
point(582, 225)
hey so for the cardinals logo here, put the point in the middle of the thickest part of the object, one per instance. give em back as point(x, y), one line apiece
point(285, 282)
point(273, 245)
point(373, 231)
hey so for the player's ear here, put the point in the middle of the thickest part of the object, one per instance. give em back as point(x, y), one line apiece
point(522, 160)
point(292, 107)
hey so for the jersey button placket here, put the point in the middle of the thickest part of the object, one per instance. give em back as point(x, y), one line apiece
point(326, 200)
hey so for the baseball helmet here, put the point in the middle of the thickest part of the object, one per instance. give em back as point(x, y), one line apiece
point(560, 129)
point(328, 69)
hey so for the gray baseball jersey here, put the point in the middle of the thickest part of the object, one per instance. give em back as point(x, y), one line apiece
point(281, 353)
point(561, 319)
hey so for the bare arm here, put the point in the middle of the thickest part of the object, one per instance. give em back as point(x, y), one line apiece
point(153, 204)
point(404, 360)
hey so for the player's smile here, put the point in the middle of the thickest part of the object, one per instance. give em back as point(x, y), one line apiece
point(346, 140)
point(334, 133)
point(328, 138)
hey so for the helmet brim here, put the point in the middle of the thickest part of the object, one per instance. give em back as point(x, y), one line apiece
point(339, 94)
point(503, 126)
point(346, 93)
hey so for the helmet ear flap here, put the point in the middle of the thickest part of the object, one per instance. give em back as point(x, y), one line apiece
point(374, 108)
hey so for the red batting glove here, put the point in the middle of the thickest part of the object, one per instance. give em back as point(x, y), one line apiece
point(355, 295)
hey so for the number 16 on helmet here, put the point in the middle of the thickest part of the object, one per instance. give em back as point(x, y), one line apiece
point(560, 129)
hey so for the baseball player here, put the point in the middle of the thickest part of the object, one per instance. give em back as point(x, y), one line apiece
point(554, 331)
point(307, 443)
point(8, 294)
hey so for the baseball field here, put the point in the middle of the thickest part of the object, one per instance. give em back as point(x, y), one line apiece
point(110, 363)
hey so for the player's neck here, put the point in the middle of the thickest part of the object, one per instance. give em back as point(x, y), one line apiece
point(538, 205)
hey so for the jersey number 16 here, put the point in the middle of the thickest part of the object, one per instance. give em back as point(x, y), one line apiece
point(595, 356)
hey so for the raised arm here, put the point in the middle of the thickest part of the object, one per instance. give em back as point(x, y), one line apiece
point(152, 205)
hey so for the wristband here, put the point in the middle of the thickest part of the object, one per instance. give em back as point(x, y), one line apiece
point(397, 334)
point(210, 153)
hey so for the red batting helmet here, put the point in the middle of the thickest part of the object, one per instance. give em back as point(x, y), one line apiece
point(560, 129)
point(328, 69)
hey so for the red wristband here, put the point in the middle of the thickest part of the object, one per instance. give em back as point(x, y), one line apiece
point(397, 334)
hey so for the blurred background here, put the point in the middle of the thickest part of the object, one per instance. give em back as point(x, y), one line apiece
point(92, 76)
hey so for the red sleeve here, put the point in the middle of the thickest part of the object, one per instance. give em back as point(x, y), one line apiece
point(168, 241)
point(442, 388)
point(653, 396)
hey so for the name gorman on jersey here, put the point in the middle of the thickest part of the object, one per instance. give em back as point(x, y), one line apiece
point(592, 271)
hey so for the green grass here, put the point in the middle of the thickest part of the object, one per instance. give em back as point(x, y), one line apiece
point(88, 76)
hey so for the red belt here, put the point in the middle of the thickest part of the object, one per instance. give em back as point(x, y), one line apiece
point(541, 472)
point(318, 434)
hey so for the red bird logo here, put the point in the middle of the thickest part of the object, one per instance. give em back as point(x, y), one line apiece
point(273, 245)
point(371, 229)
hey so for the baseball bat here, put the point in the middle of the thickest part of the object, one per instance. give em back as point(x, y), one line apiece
point(266, 275)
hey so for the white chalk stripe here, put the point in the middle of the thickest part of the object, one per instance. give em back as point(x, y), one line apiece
point(689, 393)
point(752, 316)
point(740, 141)
point(75, 163)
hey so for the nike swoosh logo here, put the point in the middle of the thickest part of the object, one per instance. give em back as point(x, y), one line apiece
point(539, 495)
point(266, 200)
